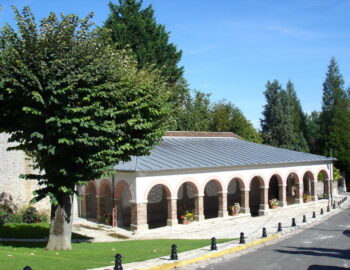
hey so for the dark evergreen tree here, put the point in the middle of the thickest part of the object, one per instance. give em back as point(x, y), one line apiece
point(312, 132)
point(335, 118)
point(298, 119)
point(227, 117)
point(132, 26)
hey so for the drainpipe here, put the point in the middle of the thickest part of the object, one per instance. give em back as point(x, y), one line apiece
point(113, 204)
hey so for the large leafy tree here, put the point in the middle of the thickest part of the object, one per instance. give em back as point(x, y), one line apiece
point(75, 105)
point(227, 117)
point(132, 26)
point(335, 118)
point(281, 123)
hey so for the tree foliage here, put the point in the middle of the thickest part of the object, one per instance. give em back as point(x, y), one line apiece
point(227, 117)
point(335, 118)
point(134, 27)
point(74, 104)
point(283, 120)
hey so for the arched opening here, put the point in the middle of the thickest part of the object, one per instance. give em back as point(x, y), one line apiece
point(157, 206)
point(186, 199)
point(322, 185)
point(106, 204)
point(273, 188)
point(307, 188)
point(211, 199)
point(255, 198)
point(292, 188)
point(123, 198)
point(234, 193)
point(91, 205)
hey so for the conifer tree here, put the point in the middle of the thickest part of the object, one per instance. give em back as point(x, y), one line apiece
point(335, 118)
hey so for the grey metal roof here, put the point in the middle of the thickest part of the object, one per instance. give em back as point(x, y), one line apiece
point(178, 153)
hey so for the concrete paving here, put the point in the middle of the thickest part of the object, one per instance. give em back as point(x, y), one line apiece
point(229, 227)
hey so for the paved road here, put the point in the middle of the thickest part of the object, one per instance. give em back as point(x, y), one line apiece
point(324, 246)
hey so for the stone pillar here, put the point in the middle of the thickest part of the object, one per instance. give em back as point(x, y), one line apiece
point(282, 194)
point(98, 208)
point(326, 189)
point(115, 212)
point(172, 212)
point(314, 190)
point(299, 193)
point(199, 207)
point(264, 204)
point(245, 201)
point(138, 216)
point(83, 203)
point(222, 204)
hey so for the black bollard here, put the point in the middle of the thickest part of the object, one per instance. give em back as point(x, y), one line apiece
point(264, 234)
point(328, 208)
point(334, 205)
point(27, 268)
point(304, 218)
point(293, 222)
point(118, 262)
point(338, 203)
point(173, 255)
point(321, 212)
point(279, 229)
point(313, 214)
point(213, 244)
point(241, 239)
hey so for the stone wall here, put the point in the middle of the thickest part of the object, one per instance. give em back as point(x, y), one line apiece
point(12, 165)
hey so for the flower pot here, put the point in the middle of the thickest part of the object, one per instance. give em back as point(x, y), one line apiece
point(185, 221)
point(274, 206)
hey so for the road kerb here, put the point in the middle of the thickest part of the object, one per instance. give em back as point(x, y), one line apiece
point(211, 254)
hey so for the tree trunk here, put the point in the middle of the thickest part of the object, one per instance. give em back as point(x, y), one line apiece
point(61, 223)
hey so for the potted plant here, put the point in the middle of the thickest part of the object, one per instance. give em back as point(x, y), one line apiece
point(306, 198)
point(274, 203)
point(234, 209)
point(108, 219)
point(187, 217)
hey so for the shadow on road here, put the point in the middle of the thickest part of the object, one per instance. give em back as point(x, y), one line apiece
point(312, 251)
point(325, 267)
point(347, 233)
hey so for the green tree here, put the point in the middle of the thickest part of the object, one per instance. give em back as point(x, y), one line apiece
point(313, 132)
point(75, 105)
point(134, 27)
point(335, 118)
point(195, 115)
point(226, 117)
point(298, 119)
point(279, 127)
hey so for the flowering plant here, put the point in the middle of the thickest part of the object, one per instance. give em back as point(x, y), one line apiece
point(306, 197)
point(189, 215)
point(274, 202)
point(235, 208)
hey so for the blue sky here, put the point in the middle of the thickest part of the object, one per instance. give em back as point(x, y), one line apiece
point(231, 47)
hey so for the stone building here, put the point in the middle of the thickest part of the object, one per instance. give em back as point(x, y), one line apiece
point(204, 173)
point(12, 165)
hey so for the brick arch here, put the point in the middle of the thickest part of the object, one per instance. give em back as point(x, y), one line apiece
point(234, 176)
point(240, 182)
point(260, 178)
point(163, 183)
point(186, 180)
point(297, 180)
point(217, 180)
point(102, 185)
point(88, 186)
point(324, 172)
point(278, 176)
point(308, 171)
point(119, 188)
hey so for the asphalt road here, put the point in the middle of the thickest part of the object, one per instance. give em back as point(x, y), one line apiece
point(324, 246)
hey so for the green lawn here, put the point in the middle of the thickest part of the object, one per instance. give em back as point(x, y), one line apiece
point(29, 231)
point(16, 255)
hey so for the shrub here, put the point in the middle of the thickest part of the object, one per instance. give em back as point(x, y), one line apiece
point(4, 217)
point(43, 218)
point(15, 218)
point(30, 215)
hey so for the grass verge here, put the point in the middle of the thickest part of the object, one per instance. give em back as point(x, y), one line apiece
point(16, 255)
